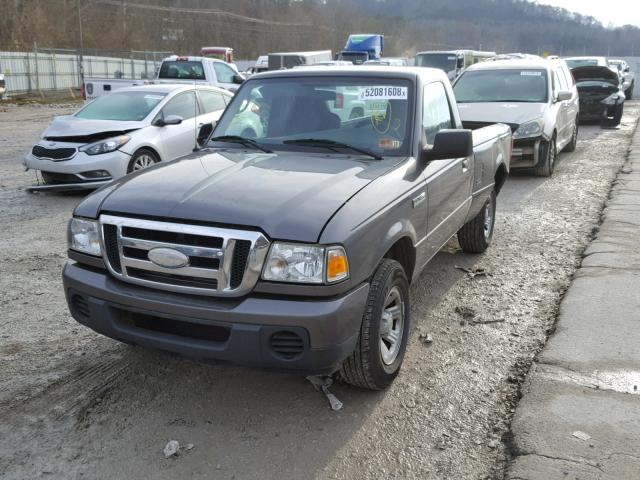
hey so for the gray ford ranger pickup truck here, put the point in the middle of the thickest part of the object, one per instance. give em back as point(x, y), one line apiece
point(292, 247)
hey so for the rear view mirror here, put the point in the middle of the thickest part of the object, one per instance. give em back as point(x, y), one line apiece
point(449, 144)
point(564, 95)
point(238, 79)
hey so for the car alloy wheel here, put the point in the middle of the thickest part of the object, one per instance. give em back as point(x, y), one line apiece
point(142, 161)
point(391, 326)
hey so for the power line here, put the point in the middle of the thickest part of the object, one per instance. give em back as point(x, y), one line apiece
point(208, 11)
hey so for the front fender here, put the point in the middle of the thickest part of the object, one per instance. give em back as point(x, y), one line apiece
point(370, 223)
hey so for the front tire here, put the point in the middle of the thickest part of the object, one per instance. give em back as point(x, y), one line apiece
point(142, 159)
point(382, 342)
point(548, 163)
point(475, 235)
point(629, 93)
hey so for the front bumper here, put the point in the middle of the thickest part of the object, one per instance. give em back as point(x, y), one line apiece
point(526, 152)
point(246, 331)
point(597, 111)
point(71, 174)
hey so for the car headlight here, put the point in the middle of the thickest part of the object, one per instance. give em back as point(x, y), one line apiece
point(299, 263)
point(533, 128)
point(84, 236)
point(612, 99)
point(105, 146)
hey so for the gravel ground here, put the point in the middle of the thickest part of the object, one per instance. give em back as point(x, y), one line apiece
point(77, 405)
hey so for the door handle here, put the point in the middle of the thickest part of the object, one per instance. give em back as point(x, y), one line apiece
point(465, 165)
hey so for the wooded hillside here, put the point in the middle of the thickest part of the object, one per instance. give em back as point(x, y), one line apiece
point(255, 27)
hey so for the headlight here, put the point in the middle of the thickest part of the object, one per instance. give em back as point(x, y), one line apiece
point(105, 146)
point(530, 129)
point(84, 236)
point(298, 263)
point(612, 99)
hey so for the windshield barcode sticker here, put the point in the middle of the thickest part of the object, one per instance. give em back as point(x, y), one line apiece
point(384, 93)
point(530, 73)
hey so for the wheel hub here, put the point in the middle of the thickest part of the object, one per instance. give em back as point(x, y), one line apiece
point(391, 326)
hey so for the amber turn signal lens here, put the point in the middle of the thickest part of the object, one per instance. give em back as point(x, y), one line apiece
point(337, 265)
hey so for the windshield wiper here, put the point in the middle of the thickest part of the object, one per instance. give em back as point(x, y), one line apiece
point(324, 142)
point(242, 140)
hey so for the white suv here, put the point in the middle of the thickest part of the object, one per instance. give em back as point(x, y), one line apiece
point(536, 97)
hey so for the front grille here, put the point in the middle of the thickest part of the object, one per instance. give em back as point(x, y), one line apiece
point(211, 261)
point(287, 345)
point(55, 178)
point(55, 154)
point(240, 257)
point(110, 236)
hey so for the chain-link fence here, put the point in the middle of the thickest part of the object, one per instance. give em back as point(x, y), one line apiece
point(47, 69)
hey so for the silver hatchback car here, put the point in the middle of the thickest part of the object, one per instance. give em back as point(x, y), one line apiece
point(536, 97)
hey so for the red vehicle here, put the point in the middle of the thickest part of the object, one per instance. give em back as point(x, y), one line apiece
point(221, 53)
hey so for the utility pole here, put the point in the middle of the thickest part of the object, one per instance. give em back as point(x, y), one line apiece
point(81, 66)
point(124, 24)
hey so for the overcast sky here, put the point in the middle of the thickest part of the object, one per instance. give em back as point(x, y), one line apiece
point(618, 12)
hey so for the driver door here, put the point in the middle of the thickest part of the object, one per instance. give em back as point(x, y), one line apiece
point(179, 140)
point(449, 181)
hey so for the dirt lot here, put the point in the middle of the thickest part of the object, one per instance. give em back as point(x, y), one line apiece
point(76, 405)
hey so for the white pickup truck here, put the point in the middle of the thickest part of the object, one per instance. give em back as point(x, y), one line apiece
point(174, 69)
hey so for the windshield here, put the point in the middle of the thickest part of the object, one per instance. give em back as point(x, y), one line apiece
point(502, 86)
point(122, 106)
point(581, 62)
point(443, 61)
point(354, 57)
point(182, 69)
point(367, 113)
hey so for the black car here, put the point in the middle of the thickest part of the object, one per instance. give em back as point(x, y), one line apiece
point(601, 97)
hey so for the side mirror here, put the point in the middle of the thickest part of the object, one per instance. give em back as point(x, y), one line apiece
point(460, 63)
point(564, 95)
point(171, 120)
point(205, 132)
point(626, 70)
point(238, 79)
point(449, 144)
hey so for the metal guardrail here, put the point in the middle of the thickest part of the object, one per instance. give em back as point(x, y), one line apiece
point(58, 69)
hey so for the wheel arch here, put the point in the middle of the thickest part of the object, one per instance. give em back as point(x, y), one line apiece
point(403, 251)
point(149, 148)
point(500, 176)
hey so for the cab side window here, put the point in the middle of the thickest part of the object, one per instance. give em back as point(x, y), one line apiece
point(183, 105)
point(224, 73)
point(211, 101)
point(436, 112)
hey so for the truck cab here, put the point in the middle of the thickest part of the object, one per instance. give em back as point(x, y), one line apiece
point(362, 47)
point(451, 62)
point(209, 71)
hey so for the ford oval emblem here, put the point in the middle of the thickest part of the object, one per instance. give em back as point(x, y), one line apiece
point(168, 257)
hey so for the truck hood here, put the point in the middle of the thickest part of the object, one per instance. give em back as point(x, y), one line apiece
point(594, 73)
point(287, 195)
point(69, 127)
point(511, 113)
